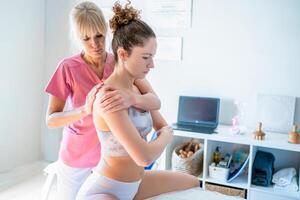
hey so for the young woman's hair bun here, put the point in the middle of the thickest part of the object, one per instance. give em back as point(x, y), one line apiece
point(123, 16)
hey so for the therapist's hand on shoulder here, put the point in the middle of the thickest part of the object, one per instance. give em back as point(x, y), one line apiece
point(90, 98)
point(113, 99)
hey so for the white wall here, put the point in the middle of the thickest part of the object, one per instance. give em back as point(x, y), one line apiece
point(57, 47)
point(234, 50)
point(22, 74)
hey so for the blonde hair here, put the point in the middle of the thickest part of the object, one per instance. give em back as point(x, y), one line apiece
point(86, 18)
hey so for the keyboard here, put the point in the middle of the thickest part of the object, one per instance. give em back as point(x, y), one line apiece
point(191, 128)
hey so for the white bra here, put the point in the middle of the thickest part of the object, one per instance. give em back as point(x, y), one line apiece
point(110, 146)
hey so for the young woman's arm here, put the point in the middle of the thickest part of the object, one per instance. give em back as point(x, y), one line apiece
point(114, 99)
point(111, 101)
point(121, 126)
point(141, 152)
point(148, 100)
point(158, 120)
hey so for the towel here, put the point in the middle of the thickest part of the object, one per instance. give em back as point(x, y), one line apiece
point(293, 187)
point(284, 176)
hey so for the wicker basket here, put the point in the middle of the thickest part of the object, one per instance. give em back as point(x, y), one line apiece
point(192, 165)
point(226, 190)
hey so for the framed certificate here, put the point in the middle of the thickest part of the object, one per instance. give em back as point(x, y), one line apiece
point(276, 112)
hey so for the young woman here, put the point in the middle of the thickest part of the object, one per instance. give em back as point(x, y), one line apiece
point(74, 84)
point(120, 172)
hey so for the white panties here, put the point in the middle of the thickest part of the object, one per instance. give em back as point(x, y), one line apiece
point(97, 185)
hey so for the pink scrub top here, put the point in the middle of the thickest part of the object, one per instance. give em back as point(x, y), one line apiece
point(71, 82)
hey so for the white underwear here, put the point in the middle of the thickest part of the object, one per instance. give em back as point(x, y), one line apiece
point(97, 185)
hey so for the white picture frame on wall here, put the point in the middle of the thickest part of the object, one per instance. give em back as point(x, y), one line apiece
point(276, 112)
point(168, 14)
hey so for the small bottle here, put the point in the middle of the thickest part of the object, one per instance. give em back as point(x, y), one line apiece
point(217, 155)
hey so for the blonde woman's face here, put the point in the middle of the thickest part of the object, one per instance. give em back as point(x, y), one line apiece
point(140, 60)
point(93, 44)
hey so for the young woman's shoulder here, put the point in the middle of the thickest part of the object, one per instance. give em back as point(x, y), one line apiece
point(99, 116)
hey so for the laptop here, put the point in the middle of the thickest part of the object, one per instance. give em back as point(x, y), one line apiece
point(197, 114)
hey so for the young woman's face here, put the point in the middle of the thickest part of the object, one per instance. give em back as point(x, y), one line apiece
point(140, 60)
point(93, 44)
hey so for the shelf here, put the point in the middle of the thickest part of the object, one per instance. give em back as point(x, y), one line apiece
point(240, 182)
point(271, 190)
point(286, 155)
point(273, 140)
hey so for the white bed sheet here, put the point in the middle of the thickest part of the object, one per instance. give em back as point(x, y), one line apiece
point(194, 193)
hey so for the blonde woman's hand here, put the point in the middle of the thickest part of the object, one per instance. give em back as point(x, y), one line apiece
point(90, 98)
point(113, 99)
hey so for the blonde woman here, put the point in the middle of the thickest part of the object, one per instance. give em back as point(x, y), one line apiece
point(120, 172)
point(75, 83)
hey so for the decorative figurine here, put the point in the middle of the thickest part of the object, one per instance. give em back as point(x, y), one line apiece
point(293, 136)
point(259, 134)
